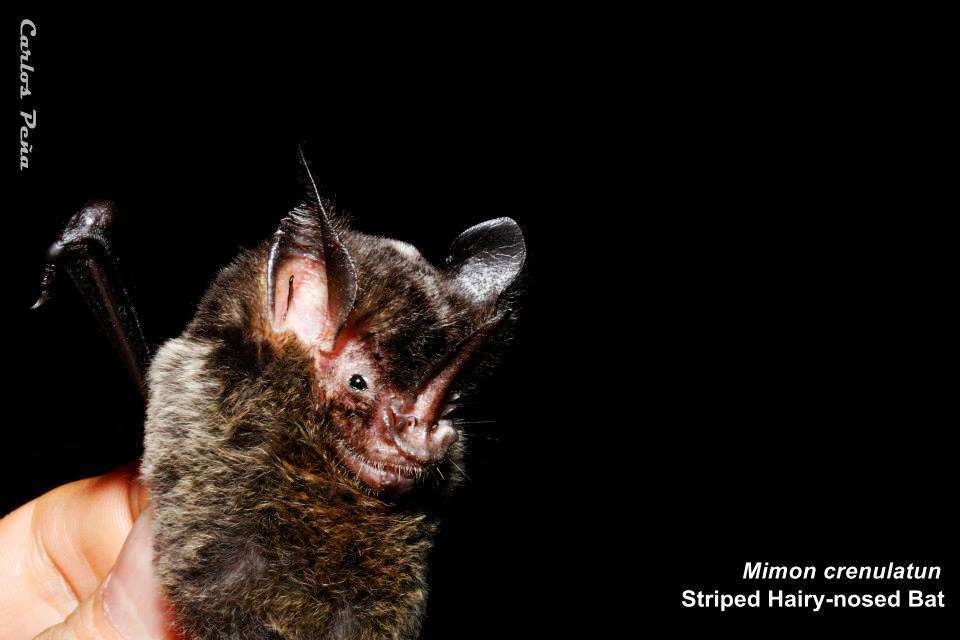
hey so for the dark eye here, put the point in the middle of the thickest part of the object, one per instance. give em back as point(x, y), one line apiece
point(357, 383)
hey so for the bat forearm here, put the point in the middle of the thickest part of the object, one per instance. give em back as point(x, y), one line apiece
point(84, 250)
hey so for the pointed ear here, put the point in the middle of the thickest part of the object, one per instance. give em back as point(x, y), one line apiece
point(311, 278)
point(486, 258)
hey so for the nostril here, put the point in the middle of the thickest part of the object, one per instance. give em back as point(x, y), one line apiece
point(396, 418)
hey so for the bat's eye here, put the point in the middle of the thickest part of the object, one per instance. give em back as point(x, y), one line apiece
point(357, 382)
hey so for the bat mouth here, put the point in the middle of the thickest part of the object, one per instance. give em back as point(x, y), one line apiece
point(388, 476)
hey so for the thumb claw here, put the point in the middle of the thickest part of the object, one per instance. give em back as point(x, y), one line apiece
point(46, 285)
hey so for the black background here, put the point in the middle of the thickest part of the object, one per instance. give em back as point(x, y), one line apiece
point(191, 126)
point(771, 299)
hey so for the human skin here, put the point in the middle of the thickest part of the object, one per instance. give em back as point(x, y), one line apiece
point(76, 563)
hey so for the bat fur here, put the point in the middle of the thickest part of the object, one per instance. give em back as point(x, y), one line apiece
point(261, 531)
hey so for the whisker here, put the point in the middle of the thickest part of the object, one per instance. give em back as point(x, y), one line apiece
point(492, 437)
point(462, 472)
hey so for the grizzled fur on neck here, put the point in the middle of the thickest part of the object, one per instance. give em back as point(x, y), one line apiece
point(261, 532)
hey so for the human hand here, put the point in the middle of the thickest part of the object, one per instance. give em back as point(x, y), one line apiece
point(76, 563)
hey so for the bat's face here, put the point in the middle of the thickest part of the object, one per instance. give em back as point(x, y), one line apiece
point(389, 427)
point(377, 430)
point(389, 335)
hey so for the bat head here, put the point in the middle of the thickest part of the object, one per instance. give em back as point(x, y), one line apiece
point(389, 336)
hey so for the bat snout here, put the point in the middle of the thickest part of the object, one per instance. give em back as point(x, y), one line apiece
point(426, 445)
point(421, 438)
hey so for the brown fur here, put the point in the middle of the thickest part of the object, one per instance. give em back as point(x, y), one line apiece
point(260, 531)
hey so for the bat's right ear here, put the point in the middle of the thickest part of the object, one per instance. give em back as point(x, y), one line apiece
point(311, 278)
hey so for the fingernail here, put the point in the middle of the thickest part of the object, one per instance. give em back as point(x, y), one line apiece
point(131, 595)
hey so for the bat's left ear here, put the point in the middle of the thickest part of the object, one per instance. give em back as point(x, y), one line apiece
point(486, 258)
point(311, 278)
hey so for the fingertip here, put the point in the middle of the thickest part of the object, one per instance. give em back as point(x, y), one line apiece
point(132, 600)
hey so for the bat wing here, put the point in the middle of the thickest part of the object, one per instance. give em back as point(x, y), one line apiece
point(84, 250)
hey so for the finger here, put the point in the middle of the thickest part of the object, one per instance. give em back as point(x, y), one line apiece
point(55, 550)
point(128, 604)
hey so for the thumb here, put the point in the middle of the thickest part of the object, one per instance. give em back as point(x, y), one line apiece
point(128, 604)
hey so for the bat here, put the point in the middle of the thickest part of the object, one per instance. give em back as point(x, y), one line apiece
point(300, 438)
